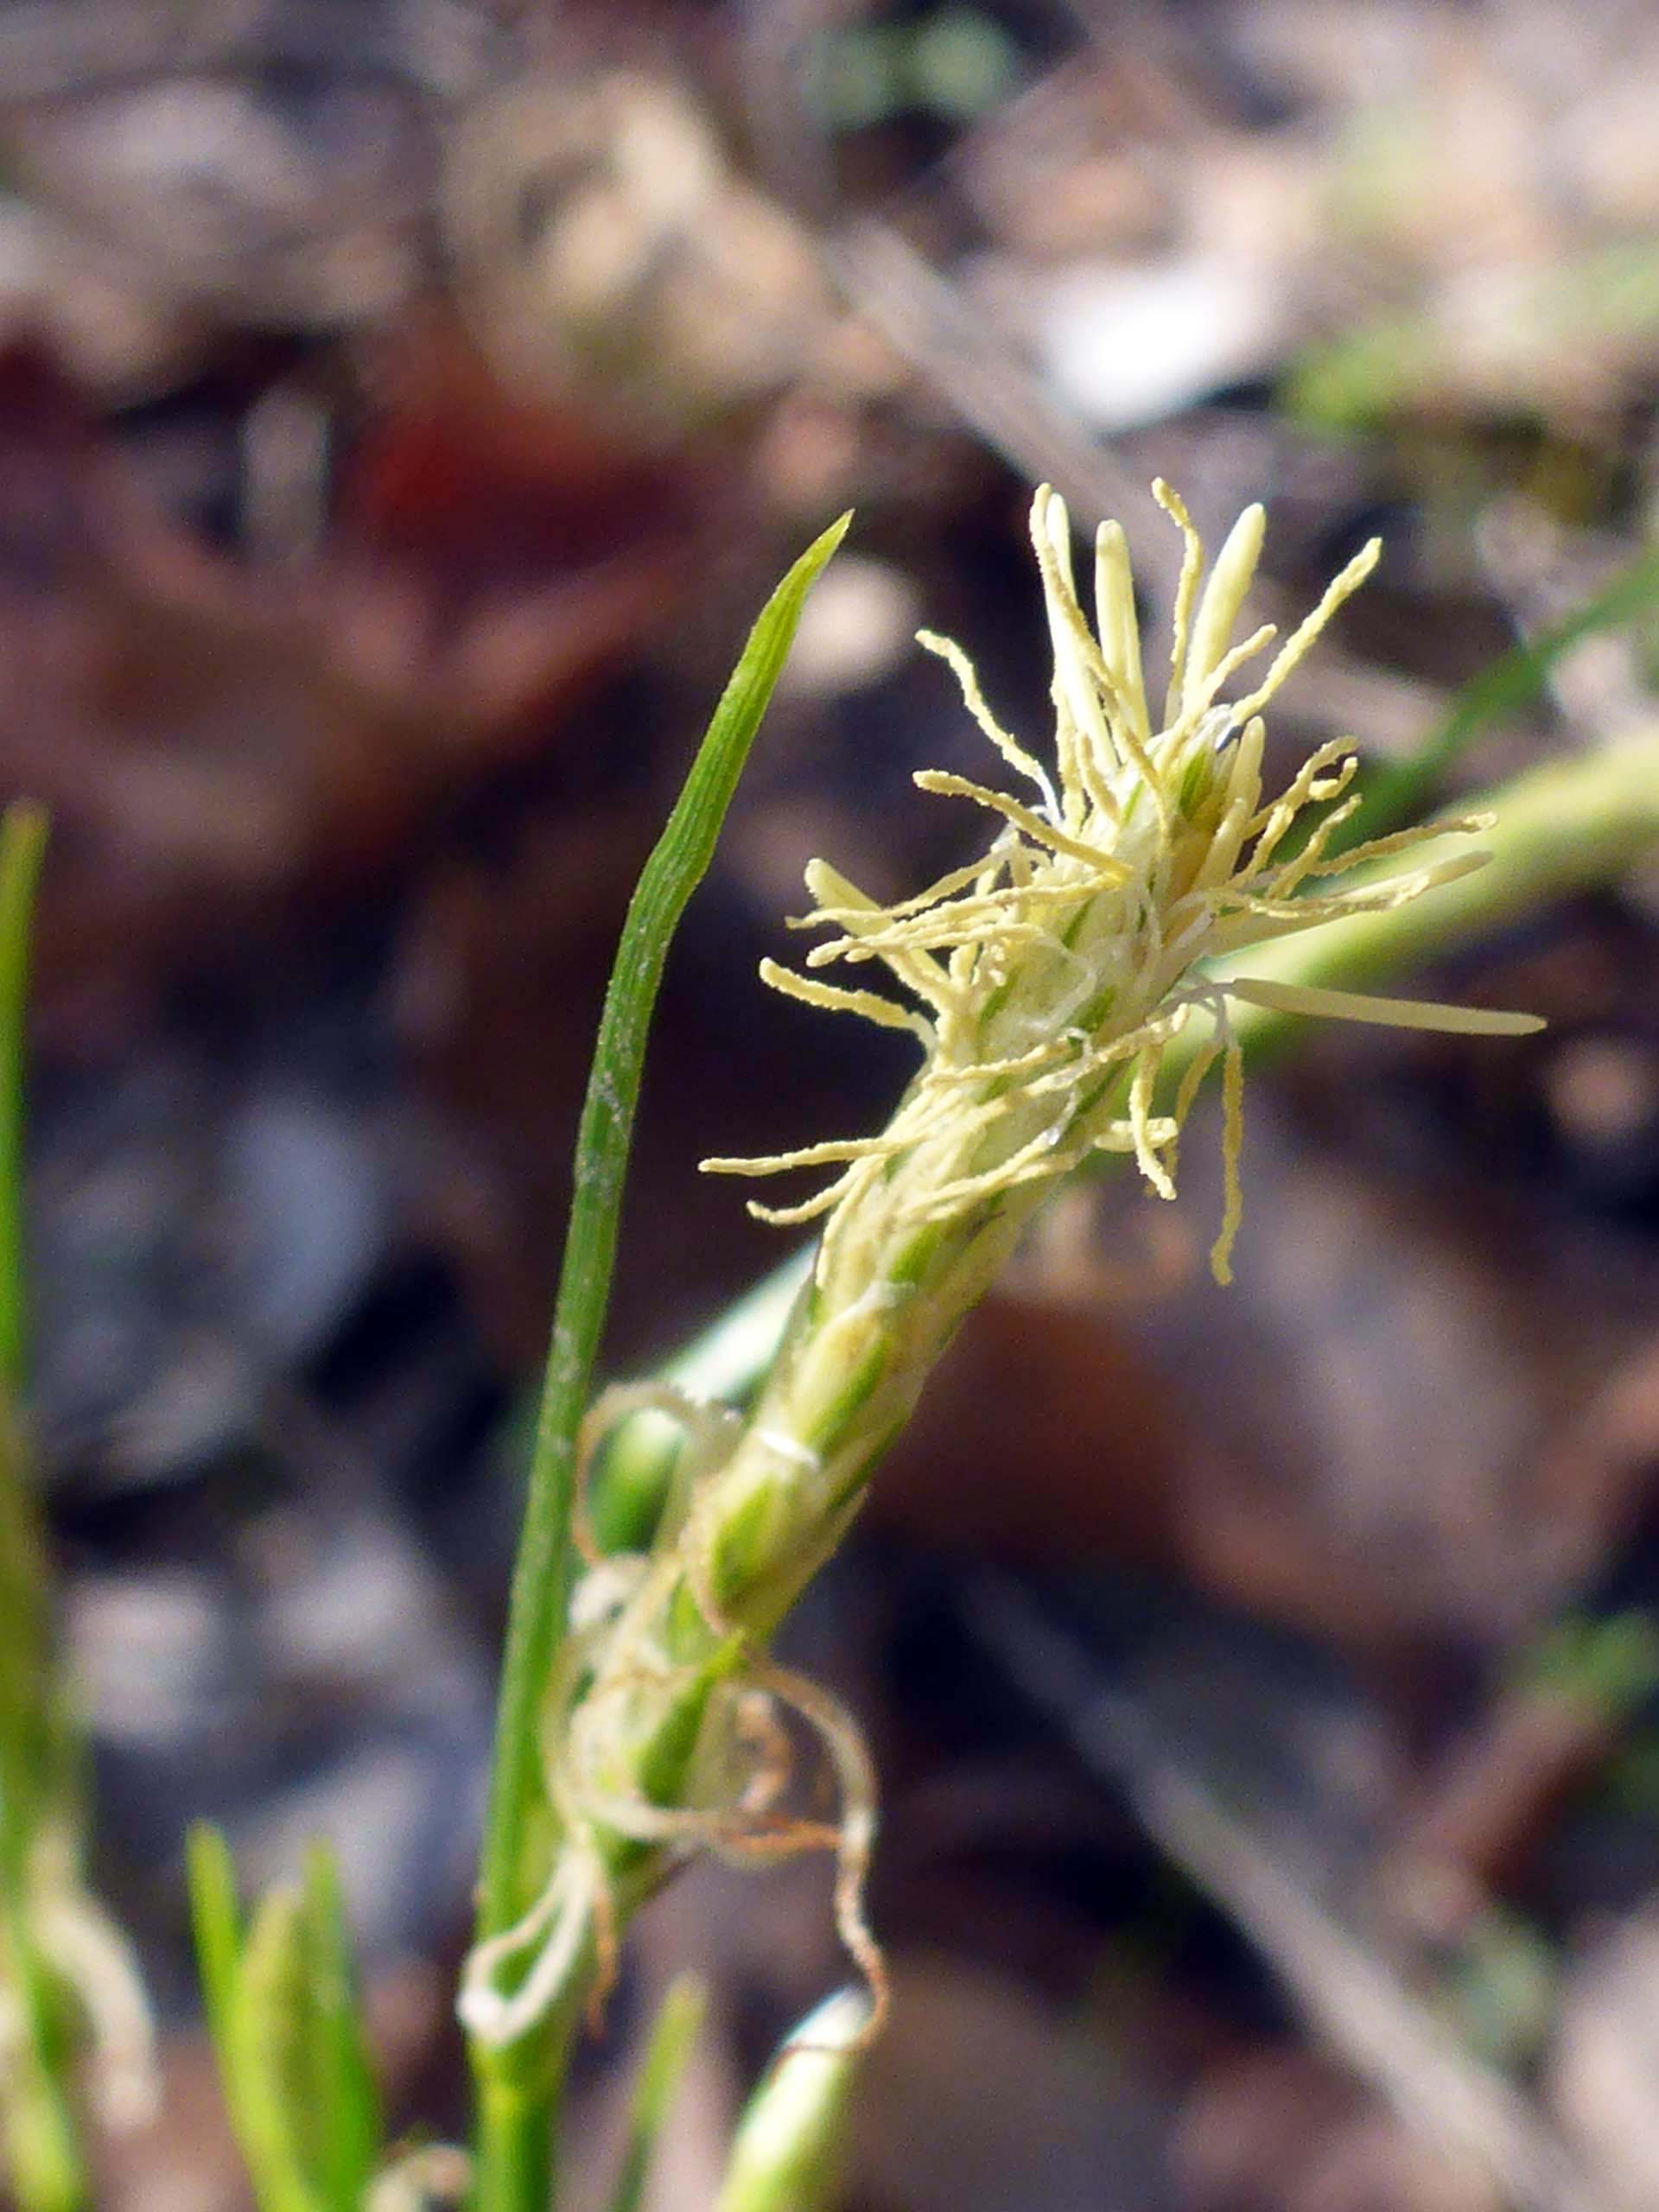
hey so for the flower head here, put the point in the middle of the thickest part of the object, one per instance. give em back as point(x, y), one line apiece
point(1050, 979)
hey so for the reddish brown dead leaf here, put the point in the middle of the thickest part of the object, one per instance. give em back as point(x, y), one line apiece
point(214, 737)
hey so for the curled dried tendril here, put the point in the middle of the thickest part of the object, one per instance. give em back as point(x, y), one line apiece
point(745, 1770)
point(431, 2173)
point(91, 1959)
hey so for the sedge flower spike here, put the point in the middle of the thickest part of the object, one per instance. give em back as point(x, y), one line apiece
point(1051, 983)
point(1049, 979)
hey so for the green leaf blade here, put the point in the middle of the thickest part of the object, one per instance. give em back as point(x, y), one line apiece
point(22, 846)
point(216, 1921)
point(348, 2101)
point(518, 2086)
point(675, 867)
point(673, 2033)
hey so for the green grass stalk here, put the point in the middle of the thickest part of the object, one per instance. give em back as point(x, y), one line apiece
point(47, 2168)
point(519, 2084)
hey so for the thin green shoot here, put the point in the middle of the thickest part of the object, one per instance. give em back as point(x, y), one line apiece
point(43, 2137)
point(347, 2100)
point(23, 844)
point(514, 2146)
point(673, 2033)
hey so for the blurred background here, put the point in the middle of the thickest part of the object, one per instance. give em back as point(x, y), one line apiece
point(405, 407)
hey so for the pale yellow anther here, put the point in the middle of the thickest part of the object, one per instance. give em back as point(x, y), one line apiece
point(919, 971)
point(981, 873)
point(827, 886)
point(940, 780)
point(1119, 625)
point(974, 699)
point(1301, 640)
point(1244, 772)
point(834, 999)
point(1218, 609)
point(1387, 1014)
point(1185, 591)
point(1086, 752)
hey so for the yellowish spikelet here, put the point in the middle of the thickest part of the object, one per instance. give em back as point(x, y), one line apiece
point(1054, 970)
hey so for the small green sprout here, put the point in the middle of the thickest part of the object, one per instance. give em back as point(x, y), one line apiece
point(68, 1980)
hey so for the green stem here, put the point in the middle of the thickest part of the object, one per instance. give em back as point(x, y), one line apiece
point(514, 2163)
point(46, 2168)
point(47, 2172)
point(23, 842)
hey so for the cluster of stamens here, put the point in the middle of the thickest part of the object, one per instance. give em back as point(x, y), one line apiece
point(1049, 979)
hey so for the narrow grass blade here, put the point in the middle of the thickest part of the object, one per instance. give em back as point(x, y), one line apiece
point(216, 1921)
point(41, 2132)
point(280, 1995)
point(23, 842)
point(348, 2134)
point(269, 2046)
point(541, 1576)
point(672, 2035)
point(1401, 790)
point(519, 2089)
